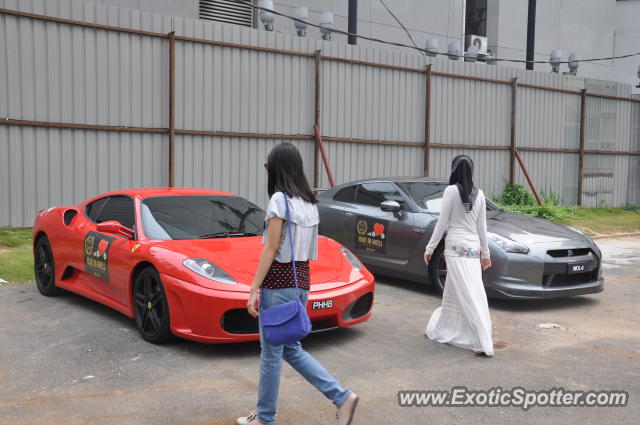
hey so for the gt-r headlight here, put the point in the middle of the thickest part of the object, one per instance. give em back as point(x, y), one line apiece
point(351, 258)
point(507, 244)
point(209, 270)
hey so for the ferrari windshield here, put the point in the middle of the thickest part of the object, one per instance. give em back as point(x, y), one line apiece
point(200, 216)
point(428, 195)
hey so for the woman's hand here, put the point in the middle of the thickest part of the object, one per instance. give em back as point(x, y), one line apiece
point(486, 263)
point(427, 258)
point(252, 304)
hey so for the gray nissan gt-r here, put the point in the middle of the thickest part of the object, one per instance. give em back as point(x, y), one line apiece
point(387, 223)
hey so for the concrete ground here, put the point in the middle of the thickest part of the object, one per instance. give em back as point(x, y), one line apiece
point(67, 360)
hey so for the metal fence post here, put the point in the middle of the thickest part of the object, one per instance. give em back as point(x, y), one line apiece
point(172, 105)
point(512, 156)
point(316, 121)
point(583, 110)
point(427, 119)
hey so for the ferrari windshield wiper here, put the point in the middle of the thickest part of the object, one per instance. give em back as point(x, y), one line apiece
point(226, 235)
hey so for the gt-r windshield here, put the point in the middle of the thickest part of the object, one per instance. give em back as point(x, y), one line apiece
point(200, 216)
point(428, 195)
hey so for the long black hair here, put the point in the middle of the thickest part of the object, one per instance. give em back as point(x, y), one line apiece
point(462, 177)
point(285, 173)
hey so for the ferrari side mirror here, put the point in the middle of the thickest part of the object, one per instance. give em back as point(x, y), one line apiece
point(112, 226)
point(390, 206)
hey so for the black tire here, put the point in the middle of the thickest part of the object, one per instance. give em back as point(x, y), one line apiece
point(438, 269)
point(151, 310)
point(44, 268)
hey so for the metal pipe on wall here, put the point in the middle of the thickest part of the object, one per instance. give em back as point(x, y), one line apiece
point(352, 23)
point(427, 119)
point(512, 157)
point(526, 175)
point(172, 105)
point(583, 109)
point(316, 121)
point(531, 33)
point(320, 145)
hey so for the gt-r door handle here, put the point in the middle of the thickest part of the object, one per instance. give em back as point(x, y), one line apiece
point(348, 214)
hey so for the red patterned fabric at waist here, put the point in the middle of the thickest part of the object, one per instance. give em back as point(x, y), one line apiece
point(280, 275)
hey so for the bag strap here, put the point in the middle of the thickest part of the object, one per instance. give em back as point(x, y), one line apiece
point(293, 258)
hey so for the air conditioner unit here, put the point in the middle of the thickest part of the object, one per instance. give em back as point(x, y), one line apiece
point(477, 40)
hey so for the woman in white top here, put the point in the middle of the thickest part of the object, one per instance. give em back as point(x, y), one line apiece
point(463, 320)
point(287, 184)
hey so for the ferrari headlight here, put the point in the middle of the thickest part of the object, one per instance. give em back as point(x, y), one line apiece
point(352, 259)
point(209, 270)
point(507, 244)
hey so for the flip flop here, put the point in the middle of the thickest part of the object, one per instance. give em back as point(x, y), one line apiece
point(351, 413)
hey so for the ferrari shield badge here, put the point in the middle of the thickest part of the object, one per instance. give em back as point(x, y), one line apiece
point(371, 235)
point(96, 255)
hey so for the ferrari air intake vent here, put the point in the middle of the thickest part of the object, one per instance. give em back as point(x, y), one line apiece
point(68, 216)
point(238, 321)
point(229, 11)
point(359, 308)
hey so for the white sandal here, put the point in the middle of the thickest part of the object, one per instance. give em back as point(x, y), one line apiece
point(246, 420)
point(351, 413)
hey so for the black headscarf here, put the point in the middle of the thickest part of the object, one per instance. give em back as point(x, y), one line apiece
point(462, 177)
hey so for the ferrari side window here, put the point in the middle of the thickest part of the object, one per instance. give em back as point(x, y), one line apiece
point(93, 209)
point(345, 195)
point(119, 208)
point(377, 192)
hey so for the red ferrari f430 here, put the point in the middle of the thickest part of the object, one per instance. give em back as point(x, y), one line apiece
point(181, 262)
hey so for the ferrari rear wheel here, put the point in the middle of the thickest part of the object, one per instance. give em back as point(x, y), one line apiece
point(151, 309)
point(44, 268)
point(438, 269)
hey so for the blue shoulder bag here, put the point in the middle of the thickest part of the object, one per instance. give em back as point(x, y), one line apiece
point(287, 322)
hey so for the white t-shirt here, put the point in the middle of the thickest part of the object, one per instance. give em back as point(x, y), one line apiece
point(304, 225)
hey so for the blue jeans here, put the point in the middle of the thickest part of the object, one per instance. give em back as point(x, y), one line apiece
point(271, 361)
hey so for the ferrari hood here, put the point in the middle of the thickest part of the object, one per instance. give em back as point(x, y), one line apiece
point(530, 230)
point(239, 257)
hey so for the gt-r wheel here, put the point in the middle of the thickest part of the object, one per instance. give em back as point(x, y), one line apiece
point(44, 268)
point(438, 269)
point(150, 307)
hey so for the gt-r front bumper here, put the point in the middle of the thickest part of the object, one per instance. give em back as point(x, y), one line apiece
point(216, 316)
point(547, 271)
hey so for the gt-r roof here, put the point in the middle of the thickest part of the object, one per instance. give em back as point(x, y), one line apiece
point(385, 179)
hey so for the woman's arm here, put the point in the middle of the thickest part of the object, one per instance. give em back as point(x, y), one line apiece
point(269, 252)
point(481, 224)
point(441, 225)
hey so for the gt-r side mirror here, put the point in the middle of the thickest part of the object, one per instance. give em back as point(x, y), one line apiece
point(390, 206)
point(112, 226)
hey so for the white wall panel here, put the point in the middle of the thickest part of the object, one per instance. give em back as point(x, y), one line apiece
point(43, 167)
point(58, 72)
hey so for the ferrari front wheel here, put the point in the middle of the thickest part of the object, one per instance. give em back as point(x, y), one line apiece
point(44, 268)
point(151, 309)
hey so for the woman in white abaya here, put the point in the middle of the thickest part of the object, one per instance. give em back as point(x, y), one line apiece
point(463, 320)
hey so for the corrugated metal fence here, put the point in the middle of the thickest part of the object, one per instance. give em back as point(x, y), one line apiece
point(90, 102)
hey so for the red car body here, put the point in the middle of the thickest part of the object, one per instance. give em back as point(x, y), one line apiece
point(200, 309)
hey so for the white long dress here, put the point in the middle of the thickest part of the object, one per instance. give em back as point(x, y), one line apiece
point(463, 320)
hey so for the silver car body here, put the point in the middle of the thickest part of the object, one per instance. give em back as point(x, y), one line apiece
point(560, 261)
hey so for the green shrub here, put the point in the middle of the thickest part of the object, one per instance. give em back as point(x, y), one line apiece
point(515, 194)
point(633, 208)
point(518, 199)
